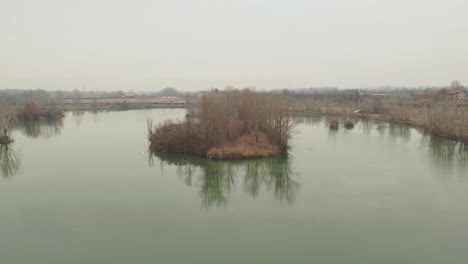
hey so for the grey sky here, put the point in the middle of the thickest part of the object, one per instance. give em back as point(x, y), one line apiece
point(270, 44)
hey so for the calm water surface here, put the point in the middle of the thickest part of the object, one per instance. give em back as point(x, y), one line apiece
point(85, 190)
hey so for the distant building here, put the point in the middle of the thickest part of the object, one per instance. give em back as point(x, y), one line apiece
point(457, 95)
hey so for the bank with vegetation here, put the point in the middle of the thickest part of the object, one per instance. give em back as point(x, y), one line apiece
point(438, 112)
point(228, 124)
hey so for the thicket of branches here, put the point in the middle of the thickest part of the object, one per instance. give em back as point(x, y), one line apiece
point(221, 122)
point(31, 110)
point(448, 119)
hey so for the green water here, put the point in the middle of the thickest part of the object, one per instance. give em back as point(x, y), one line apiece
point(85, 190)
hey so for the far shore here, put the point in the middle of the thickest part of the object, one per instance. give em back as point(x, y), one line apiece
point(383, 118)
point(123, 103)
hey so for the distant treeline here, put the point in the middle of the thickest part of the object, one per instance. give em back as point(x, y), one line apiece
point(41, 96)
point(11, 95)
point(385, 90)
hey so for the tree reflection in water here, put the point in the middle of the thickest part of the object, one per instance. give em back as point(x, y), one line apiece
point(446, 154)
point(10, 161)
point(398, 131)
point(216, 178)
point(444, 148)
point(46, 128)
point(77, 117)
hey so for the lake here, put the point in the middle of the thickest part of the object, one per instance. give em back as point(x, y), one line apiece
point(85, 189)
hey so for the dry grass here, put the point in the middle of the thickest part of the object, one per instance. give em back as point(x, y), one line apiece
point(247, 146)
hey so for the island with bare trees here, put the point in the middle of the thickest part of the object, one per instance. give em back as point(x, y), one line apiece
point(228, 124)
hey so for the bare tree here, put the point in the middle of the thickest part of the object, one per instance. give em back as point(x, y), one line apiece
point(7, 118)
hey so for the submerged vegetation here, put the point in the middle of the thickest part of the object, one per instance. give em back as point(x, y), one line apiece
point(228, 124)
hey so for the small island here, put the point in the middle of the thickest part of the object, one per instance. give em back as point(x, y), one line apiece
point(230, 124)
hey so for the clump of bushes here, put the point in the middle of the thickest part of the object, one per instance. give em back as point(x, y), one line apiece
point(228, 124)
point(33, 111)
point(334, 125)
point(177, 138)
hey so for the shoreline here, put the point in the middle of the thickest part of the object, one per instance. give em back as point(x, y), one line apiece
point(389, 119)
point(120, 106)
point(123, 103)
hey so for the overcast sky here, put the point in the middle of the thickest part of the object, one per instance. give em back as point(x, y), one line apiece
point(268, 44)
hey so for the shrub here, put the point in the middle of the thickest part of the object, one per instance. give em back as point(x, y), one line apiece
point(349, 125)
point(334, 125)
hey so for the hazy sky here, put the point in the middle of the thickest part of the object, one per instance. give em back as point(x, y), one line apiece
point(270, 44)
